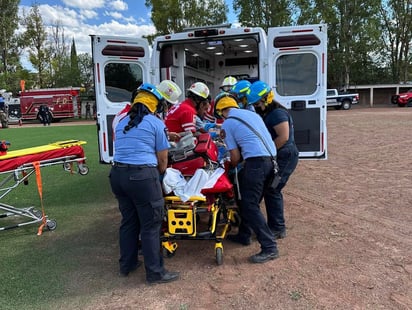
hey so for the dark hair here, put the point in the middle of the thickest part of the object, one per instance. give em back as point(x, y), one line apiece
point(196, 99)
point(269, 108)
point(136, 114)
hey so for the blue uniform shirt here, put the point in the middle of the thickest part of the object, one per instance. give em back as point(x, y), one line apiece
point(138, 146)
point(238, 135)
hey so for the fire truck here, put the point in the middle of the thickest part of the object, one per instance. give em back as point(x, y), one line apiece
point(62, 103)
point(292, 60)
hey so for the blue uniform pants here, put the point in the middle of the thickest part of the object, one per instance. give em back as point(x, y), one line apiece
point(141, 204)
point(253, 182)
point(287, 159)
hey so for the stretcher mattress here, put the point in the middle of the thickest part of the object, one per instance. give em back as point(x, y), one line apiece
point(14, 159)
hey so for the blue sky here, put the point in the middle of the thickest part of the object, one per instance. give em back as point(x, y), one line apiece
point(80, 18)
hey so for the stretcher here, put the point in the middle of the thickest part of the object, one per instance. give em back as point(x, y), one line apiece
point(17, 166)
point(199, 218)
point(209, 216)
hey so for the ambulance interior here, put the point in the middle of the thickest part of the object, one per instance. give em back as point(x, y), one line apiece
point(209, 61)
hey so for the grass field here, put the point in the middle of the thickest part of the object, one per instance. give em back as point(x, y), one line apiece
point(60, 268)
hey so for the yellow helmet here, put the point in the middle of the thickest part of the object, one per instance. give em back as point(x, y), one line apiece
point(170, 91)
point(149, 96)
point(224, 101)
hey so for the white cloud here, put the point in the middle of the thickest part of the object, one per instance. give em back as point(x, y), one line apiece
point(115, 15)
point(85, 4)
point(119, 5)
point(131, 19)
point(82, 36)
point(80, 21)
point(120, 16)
point(64, 16)
point(88, 14)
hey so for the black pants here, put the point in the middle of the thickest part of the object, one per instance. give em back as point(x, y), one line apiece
point(44, 118)
point(254, 180)
point(141, 204)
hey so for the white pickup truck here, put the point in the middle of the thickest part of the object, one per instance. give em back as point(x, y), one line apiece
point(340, 101)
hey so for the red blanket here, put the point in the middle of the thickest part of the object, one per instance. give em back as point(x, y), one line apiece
point(13, 163)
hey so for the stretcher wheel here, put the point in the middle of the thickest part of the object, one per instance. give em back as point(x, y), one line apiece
point(84, 170)
point(167, 254)
point(219, 256)
point(37, 213)
point(51, 224)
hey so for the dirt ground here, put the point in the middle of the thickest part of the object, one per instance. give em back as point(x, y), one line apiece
point(349, 242)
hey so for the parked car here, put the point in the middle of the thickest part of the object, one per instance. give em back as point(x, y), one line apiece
point(403, 99)
point(340, 100)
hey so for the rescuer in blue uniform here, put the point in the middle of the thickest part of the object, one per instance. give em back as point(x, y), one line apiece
point(280, 125)
point(256, 174)
point(141, 156)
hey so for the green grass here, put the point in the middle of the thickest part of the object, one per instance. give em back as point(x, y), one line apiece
point(66, 267)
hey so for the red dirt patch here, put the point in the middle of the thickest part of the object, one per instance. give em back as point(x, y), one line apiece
point(349, 243)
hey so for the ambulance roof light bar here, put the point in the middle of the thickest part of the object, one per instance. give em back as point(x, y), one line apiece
point(207, 27)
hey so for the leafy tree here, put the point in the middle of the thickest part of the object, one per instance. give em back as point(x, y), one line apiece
point(86, 70)
point(35, 38)
point(8, 25)
point(170, 16)
point(9, 51)
point(60, 74)
point(353, 37)
point(264, 13)
point(396, 16)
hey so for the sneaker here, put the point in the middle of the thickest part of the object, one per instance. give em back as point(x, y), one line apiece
point(167, 277)
point(125, 274)
point(279, 234)
point(263, 257)
point(238, 239)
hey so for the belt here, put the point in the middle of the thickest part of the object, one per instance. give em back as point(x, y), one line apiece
point(259, 158)
point(121, 165)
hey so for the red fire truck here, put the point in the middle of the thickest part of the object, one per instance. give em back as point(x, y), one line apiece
point(62, 102)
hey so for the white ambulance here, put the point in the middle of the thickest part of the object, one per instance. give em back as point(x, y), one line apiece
point(292, 60)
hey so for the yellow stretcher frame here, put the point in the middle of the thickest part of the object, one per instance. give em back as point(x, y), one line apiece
point(181, 222)
point(41, 148)
point(13, 178)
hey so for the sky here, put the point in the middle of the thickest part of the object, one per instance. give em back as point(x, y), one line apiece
point(81, 18)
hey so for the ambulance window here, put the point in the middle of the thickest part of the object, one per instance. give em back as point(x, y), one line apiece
point(121, 80)
point(296, 75)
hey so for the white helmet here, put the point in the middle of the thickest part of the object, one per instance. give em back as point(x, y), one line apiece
point(200, 89)
point(170, 91)
point(227, 83)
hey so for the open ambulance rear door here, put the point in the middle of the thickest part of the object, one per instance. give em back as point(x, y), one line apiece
point(120, 65)
point(297, 57)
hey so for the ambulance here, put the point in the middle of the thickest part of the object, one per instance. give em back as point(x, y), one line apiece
point(292, 60)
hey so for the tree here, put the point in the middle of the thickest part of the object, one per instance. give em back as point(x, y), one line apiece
point(8, 25)
point(264, 13)
point(35, 38)
point(74, 66)
point(86, 70)
point(9, 47)
point(59, 57)
point(170, 16)
point(353, 37)
point(396, 16)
